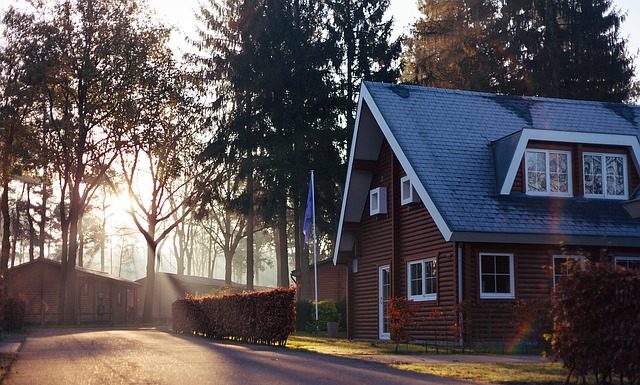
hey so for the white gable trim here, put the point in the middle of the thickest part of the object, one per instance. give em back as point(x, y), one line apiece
point(347, 183)
point(529, 134)
point(404, 162)
point(365, 97)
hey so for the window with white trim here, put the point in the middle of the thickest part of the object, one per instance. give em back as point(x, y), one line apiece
point(378, 201)
point(561, 266)
point(548, 172)
point(632, 263)
point(422, 280)
point(496, 276)
point(605, 175)
point(407, 192)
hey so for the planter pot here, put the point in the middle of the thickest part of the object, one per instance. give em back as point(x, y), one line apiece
point(332, 329)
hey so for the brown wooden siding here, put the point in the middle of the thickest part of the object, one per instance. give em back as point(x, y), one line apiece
point(491, 319)
point(332, 282)
point(519, 184)
point(409, 233)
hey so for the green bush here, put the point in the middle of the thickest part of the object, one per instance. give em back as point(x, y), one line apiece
point(596, 331)
point(327, 312)
point(264, 317)
point(342, 314)
point(13, 311)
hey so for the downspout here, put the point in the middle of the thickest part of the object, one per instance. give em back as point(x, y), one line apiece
point(460, 296)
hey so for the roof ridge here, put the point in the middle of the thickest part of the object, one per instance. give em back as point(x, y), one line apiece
point(491, 94)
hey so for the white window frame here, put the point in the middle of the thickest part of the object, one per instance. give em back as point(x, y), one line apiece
point(378, 201)
point(569, 192)
point(423, 296)
point(603, 162)
point(625, 258)
point(411, 196)
point(512, 292)
point(579, 258)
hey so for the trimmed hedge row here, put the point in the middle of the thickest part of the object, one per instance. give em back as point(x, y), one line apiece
point(263, 317)
point(13, 311)
point(596, 329)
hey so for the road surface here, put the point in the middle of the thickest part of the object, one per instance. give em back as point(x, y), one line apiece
point(148, 356)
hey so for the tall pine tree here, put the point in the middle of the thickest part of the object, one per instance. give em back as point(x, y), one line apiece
point(449, 45)
point(365, 50)
point(564, 48)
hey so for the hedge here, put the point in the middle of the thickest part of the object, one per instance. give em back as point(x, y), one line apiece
point(596, 331)
point(13, 311)
point(262, 317)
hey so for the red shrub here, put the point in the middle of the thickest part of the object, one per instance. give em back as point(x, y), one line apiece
point(596, 328)
point(264, 317)
point(401, 313)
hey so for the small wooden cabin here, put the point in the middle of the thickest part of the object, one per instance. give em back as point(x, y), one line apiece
point(101, 297)
point(467, 203)
point(332, 281)
point(170, 286)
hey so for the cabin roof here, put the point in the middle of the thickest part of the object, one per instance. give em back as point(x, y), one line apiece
point(461, 150)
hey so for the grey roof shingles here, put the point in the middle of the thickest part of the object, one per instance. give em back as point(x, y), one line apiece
point(446, 136)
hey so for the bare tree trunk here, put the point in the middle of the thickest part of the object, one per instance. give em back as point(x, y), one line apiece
point(16, 232)
point(71, 285)
point(43, 218)
point(149, 290)
point(189, 246)
point(81, 241)
point(32, 229)
point(305, 282)
point(6, 228)
point(250, 224)
point(103, 235)
point(64, 227)
point(210, 262)
point(283, 254)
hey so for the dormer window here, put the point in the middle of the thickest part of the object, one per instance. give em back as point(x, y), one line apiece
point(605, 175)
point(548, 172)
point(407, 193)
point(378, 201)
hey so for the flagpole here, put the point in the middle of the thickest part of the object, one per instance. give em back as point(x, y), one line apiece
point(315, 243)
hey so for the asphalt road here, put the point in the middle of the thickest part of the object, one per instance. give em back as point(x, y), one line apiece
point(147, 356)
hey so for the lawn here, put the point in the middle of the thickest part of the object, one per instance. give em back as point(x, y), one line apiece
point(344, 347)
point(547, 373)
point(512, 373)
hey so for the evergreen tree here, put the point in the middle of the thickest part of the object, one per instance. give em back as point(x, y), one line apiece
point(564, 48)
point(449, 45)
point(365, 49)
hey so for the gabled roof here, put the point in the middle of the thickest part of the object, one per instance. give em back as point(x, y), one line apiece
point(81, 270)
point(461, 150)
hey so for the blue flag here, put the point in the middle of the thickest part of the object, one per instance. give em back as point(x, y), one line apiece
point(308, 214)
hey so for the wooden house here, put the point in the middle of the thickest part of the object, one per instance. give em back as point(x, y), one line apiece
point(169, 287)
point(468, 202)
point(332, 281)
point(101, 297)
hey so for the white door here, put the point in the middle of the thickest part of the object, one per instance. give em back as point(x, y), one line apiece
point(384, 293)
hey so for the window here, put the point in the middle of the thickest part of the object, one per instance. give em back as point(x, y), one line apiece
point(632, 263)
point(422, 282)
point(496, 275)
point(378, 201)
point(561, 267)
point(407, 193)
point(354, 265)
point(605, 175)
point(548, 172)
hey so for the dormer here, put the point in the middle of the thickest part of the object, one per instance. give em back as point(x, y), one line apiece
point(567, 164)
